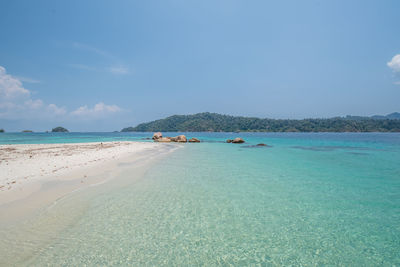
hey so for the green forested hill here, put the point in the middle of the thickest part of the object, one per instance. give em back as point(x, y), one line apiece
point(224, 123)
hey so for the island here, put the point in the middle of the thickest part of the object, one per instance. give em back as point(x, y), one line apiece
point(1, 130)
point(213, 122)
point(27, 131)
point(59, 130)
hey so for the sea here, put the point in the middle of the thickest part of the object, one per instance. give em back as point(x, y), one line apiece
point(304, 199)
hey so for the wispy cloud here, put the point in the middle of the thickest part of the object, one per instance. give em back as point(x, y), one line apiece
point(27, 79)
point(119, 70)
point(116, 67)
point(397, 83)
point(93, 49)
point(83, 67)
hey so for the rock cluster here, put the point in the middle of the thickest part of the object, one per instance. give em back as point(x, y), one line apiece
point(235, 141)
point(157, 137)
point(179, 138)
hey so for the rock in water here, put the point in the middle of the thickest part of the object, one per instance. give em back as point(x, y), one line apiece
point(238, 140)
point(229, 141)
point(157, 135)
point(181, 138)
point(261, 144)
point(194, 140)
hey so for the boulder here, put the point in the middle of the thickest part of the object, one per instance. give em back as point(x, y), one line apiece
point(194, 140)
point(163, 140)
point(238, 140)
point(157, 135)
point(229, 141)
point(181, 139)
point(173, 139)
point(261, 144)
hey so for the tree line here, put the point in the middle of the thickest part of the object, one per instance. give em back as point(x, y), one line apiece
point(213, 122)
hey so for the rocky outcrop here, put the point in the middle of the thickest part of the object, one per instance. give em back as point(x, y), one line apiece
point(181, 139)
point(157, 135)
point(261, 144)
point(194, 140)
point(237, 141)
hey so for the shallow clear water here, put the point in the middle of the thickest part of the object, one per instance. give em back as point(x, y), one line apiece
point(306, 199)
point(48, 138)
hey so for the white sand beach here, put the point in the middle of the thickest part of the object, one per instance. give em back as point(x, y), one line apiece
point(25, 167)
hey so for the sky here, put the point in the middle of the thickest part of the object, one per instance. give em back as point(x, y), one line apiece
point(104, 65)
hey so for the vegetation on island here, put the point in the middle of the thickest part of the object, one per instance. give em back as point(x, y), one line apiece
point(213, 122)
point(59, 130)
point(392, 116)
point(1, 130)
point(27, 131)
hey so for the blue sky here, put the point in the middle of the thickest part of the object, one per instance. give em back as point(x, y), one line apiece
point(104, 65)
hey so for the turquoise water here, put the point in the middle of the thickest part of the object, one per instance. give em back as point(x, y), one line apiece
point(49, 138)
point(305, 200)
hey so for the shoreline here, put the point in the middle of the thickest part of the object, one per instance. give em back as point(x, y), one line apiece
point(27, 217)
point(45, 173)
point(21, 163)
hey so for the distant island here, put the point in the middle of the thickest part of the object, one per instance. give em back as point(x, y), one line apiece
point(1, 130)
point(27, 131)
point(213, 122)
point(59, 130)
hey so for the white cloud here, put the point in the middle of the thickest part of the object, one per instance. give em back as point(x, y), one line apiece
point(56, 110)
point(33, 104)
point(16, 103)
point(394, 64)
point(100, 109)
point(397, 83)
point(119, 70)
point(11, 87)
